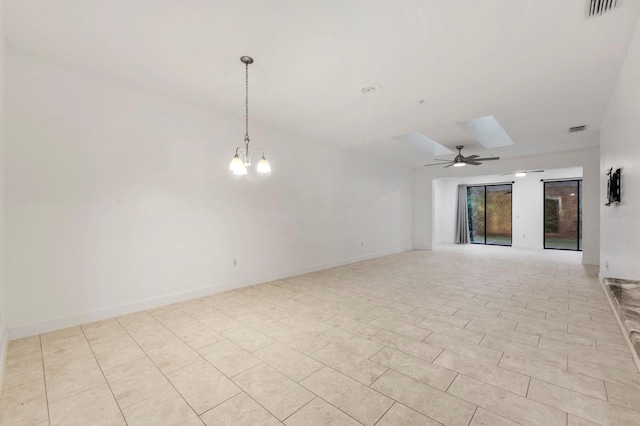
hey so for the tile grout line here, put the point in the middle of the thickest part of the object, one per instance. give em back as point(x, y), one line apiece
point(474, 414)
point(44, 379)
point(103, 375)
point(388, 409)
point(256, 401)
point(158, 368)
point(513, 393)
point(454, 379)
point(338, 408)
point(555, 384)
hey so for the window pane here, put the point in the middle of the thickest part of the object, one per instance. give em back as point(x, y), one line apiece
point(498, 215)
point(561, 215)
point(475, 203)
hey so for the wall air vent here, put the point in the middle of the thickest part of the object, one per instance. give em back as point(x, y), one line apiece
point(598, 7)
point(578, 128)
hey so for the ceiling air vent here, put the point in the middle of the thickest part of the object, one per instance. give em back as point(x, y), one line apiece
point(577, 128)
point(598, 7)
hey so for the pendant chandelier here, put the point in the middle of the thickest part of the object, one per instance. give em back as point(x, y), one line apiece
point(242, 158)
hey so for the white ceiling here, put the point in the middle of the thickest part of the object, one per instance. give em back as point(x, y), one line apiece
point(537, 66)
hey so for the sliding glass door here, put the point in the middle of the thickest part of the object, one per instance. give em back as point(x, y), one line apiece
point(563, 215)
point(490, 214)
point(475, 204)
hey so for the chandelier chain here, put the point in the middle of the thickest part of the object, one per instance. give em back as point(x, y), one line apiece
point(246, 103)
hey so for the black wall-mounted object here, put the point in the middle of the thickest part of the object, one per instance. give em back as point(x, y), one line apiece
point(613, 186)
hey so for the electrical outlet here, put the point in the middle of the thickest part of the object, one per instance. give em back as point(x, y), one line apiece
point(235, 262)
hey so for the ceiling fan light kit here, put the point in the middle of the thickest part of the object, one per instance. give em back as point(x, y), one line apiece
point(461, 160)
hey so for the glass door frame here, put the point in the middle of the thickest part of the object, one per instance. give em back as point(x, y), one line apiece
point(485, 212)
point(579, 213)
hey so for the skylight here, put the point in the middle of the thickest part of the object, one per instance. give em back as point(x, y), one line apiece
point(487, 131)
point(424, 144)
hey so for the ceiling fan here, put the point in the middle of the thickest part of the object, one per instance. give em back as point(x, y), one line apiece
point(461, 160)
point(522, 173)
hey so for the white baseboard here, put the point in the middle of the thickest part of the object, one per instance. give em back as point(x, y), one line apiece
point(128, 308)
point(4, 344)
point(592, 262)
point(528, 246)
point(625, 333)
point(427, 247)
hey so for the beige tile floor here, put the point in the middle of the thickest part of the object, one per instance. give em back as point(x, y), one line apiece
point(458, 336)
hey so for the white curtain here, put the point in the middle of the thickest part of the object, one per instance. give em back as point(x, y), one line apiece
point(462, 216)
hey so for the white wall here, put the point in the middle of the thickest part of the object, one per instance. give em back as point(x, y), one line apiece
point(527, 205)
point(3, 322)
point(620, 145)
point(426, 207)
point(116, 196)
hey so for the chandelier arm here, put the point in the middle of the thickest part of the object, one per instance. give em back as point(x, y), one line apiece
point(242, 150)
point(256, 150)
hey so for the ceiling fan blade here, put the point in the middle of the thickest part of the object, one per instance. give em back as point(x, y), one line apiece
point(504, 174)
point(487, 159)
point(437, 164)
point(471, 157)
point(448, 166)
point(440, 159)
point(473, 163)
point(535, 171)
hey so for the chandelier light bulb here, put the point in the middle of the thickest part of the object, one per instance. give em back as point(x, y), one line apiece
point(235, 163)
point(240, 170)
point(263, 166)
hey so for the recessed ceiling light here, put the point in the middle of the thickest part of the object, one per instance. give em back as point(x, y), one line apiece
point(369, 90)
